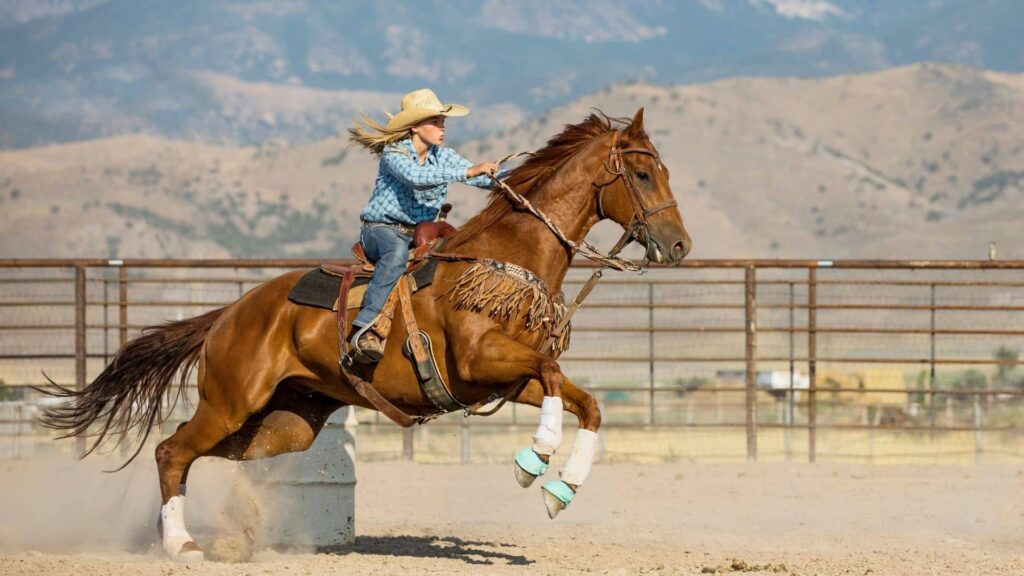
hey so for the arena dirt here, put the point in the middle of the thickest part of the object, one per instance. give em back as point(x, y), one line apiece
point(61, 517)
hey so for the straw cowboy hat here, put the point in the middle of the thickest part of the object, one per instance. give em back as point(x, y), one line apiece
point(420, 105)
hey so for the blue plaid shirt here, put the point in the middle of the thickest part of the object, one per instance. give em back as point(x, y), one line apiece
point(409, 193)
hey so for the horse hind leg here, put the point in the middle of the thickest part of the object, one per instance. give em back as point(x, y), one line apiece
point(289, 423)
point(174, 456)
point(214, 420)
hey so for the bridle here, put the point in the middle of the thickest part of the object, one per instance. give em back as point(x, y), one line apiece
point(638, 229)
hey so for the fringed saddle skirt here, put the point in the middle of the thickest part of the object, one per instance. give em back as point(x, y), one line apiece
point(505, 292)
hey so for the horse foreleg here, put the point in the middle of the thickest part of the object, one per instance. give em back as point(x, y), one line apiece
point(498, 359)
point(533, 462)
point(581, 404)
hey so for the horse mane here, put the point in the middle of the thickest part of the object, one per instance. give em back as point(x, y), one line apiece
point(535, 171)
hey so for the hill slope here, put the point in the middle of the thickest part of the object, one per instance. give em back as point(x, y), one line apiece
point(925, 161)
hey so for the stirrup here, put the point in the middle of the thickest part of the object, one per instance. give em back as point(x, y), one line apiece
point(358, 353)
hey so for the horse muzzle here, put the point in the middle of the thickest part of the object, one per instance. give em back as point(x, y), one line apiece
point(656, 252)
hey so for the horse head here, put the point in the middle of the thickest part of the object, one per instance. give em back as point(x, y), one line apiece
point(637, 195)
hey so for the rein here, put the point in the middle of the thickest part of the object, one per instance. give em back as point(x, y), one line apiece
point(584, 248)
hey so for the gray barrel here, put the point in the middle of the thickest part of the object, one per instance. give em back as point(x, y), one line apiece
point(311, 494)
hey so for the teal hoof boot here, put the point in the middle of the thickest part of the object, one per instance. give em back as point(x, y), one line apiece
point(528, 467)
point(557, 496)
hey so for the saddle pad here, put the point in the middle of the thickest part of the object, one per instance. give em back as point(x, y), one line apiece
point(319, 289)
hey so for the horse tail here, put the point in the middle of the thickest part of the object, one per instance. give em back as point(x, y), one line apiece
point(131, 391)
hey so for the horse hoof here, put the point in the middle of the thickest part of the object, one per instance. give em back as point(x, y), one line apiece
point(528, 467)
point(524, 478)
point(190, 553)
point(557, 496)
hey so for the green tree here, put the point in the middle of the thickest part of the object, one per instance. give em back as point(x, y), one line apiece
point(5, 392)
point(1006, 361)
point(969, 380)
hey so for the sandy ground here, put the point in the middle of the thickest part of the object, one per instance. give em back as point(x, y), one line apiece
point(823, 519)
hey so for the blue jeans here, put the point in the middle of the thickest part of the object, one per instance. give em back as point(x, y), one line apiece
point(388, 250)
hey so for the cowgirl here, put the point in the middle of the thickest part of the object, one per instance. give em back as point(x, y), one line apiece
point(412, 183)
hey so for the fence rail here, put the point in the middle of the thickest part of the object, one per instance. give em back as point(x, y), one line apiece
point(724, 326)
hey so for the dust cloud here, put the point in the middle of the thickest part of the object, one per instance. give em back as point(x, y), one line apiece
point(61, 504)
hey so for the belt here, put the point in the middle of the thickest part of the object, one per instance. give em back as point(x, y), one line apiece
point(401, 228)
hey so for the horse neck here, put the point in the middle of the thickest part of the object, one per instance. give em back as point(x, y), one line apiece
point(568, 200)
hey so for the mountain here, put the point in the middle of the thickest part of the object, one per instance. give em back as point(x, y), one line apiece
point(245, 73)
point(923, 161)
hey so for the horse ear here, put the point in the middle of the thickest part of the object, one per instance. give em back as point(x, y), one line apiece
point(636, 127)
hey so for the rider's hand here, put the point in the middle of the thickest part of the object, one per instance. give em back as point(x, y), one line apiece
point(482, 168)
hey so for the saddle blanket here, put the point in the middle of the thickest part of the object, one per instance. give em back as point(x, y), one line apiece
point(319, 288)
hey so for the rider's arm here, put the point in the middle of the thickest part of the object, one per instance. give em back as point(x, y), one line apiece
point(481, 181)
point(409, 172)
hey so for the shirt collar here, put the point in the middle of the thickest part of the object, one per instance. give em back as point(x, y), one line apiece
point(431, 152)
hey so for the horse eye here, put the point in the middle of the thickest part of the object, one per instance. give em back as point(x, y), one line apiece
point(643, 175)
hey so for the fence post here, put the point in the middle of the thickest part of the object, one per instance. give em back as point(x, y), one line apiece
point(106, 320)
point(751, 356)
point(977, 429)
point(650, 348)
point(18, 424)
point(122, 303)
point(80, 346)
point(122, 321)
point(931, 374)
point(812, 353)
point(788, 434)
point(407, 444)
point(465, 441)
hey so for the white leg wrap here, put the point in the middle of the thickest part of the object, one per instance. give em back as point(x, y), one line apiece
point(175, 535)
point(577, 468)
point(549, 433)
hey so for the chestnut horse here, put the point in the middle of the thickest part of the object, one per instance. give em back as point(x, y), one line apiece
point(268, 374)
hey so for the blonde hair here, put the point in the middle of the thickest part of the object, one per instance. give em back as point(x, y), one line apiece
point(369, 134)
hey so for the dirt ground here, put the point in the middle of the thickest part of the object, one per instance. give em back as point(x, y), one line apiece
point(823, 519)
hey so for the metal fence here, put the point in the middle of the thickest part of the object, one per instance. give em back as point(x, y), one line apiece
point(877, 360)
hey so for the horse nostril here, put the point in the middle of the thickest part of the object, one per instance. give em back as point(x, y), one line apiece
point(679, 249)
